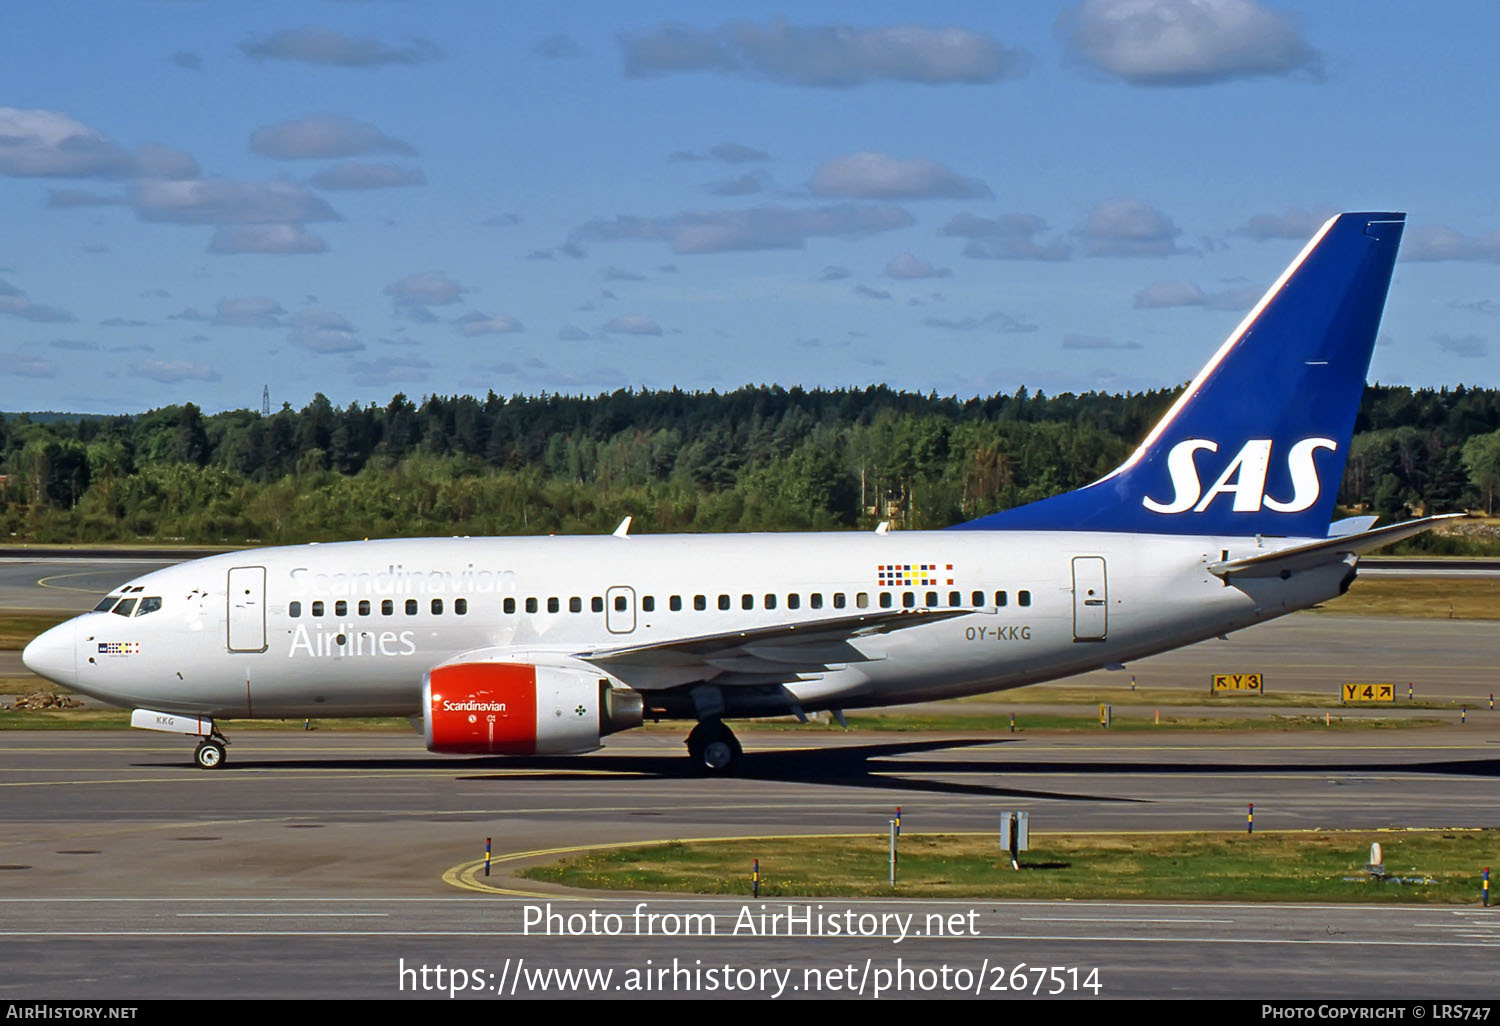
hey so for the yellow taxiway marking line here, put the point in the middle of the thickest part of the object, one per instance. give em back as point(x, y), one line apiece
point(42, 582)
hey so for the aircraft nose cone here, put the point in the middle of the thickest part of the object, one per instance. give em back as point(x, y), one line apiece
point(54, 653)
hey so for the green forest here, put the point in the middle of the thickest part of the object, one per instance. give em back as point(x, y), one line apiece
point(758, 458)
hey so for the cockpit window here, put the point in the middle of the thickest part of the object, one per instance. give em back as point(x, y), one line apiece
point(125, 608)
point(149, 605)
point(106, 602)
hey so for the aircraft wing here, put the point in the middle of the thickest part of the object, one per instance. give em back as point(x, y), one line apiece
point(1324, 552)
point(761, 655)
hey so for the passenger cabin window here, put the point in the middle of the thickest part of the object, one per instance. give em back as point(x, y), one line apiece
point(723, 601)
point(150, 604)
point(838, 600)
point(575, 604)
point(794, 601)
point(908, 599)
point(387, 607)
point(437, 607)
point(815, 600)
point(675, 603)
point(885, 600)
point(620, 604)
point(1001, 598)
point(977, 599)
point(317, 608)
point(770, 601)
point(553, 605)
point(1023, 597)
point(411, 607)
point(294, 610)
point(509, 605)
point(364, 607)
point(341, 608)
point(862, 600)
point(955, 599)
point(596, 604)
point(461, 607)
point(748, 602)
point(648, 603)
point(531, 605)
point(931, 599)
point(700, 602)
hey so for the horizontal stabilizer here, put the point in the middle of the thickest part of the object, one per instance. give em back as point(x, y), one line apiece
point(1322, 553)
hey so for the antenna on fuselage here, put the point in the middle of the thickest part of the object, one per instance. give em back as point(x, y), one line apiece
point(624, 529)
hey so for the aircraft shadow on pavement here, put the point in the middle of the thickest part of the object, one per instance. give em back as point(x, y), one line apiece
point(878, 766)
point(875, 765)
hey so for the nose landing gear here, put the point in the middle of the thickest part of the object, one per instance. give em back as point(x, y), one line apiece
point(713, 748)
point(210, 753)
point(211, 743)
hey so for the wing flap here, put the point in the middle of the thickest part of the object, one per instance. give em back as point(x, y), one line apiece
point(780, 652)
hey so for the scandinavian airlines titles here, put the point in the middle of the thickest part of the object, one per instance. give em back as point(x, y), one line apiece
point(1244, 477)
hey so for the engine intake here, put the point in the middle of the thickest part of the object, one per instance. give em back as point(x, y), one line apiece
point(495, 708)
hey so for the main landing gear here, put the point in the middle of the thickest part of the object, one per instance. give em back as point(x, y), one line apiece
point(210, 753)
point(713, 748)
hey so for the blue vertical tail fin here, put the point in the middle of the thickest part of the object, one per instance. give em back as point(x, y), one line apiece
point(1257, 442)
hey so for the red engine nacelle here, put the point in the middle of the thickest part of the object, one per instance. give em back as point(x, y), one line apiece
point(485, 708)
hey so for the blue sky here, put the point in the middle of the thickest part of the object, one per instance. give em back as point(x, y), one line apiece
point(199, 199)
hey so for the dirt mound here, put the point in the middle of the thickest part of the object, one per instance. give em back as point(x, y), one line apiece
point(46, 700)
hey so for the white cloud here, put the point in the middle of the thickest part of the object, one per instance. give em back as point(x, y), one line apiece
point(249, 312)
point(318, 44)
point(31, 367)
point(907, 267)
point(15, 303)
point(1006, 237)
point(996, 321)
point(1292, 223)
point(354, 175)
point(219, 201)
point(745, 185)
point(173, 371)
point(265, 238)
point(429, 288)
point(1469, 347)
point(879, 176)
point(393, 370)
point(1128, 228)
point(1184, 42)
point(735, 153)
point(1183, 293)
point(756, 228)
point(632, 324)
point(837, 56)
point(1440, 242)
point(1071, 341)
point(474, 324)
point(321, 331)
point(322, 136)
point(49, 144)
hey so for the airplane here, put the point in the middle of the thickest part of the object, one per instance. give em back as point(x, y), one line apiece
point(1218, 520)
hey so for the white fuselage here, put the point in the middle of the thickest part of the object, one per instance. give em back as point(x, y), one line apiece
point(1071, 602)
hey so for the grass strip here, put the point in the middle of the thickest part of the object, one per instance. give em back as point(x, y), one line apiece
point(1228, 866)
